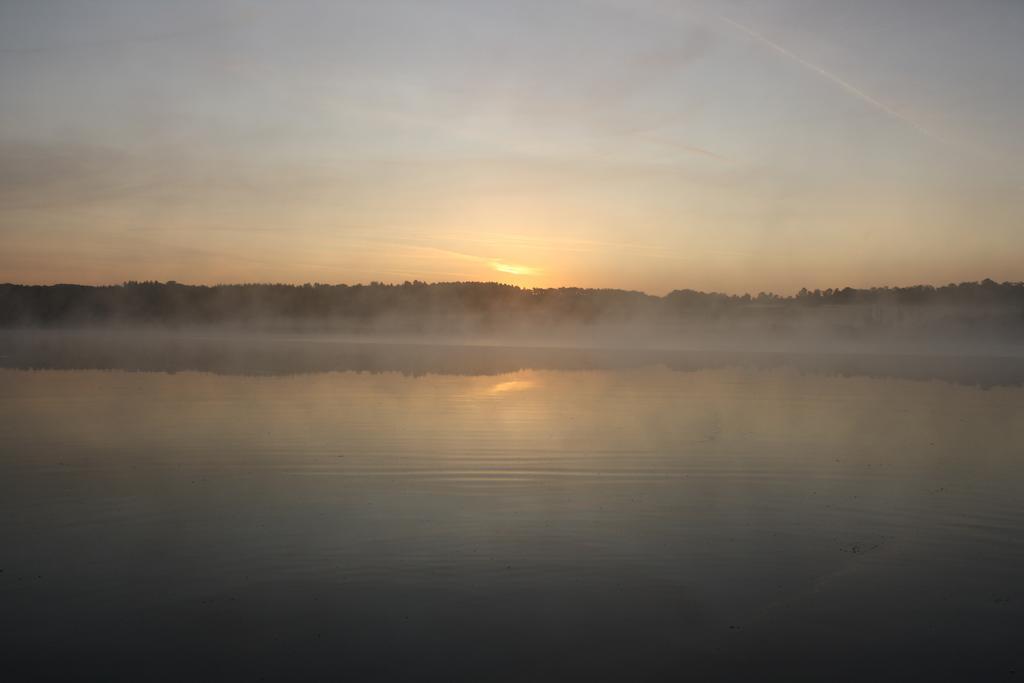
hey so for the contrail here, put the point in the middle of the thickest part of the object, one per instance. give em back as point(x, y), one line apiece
point(688, 148)
point(845, 85)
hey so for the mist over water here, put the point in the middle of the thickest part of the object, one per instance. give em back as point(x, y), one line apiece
point(308, 508)
point(229, 352)
point(530, 342)
point(970, 318)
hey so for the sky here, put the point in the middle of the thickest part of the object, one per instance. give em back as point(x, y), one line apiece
point(651, 144)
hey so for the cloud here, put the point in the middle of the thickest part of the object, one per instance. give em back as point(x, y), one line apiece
point(837, 80)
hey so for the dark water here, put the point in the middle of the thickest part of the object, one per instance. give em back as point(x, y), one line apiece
point(308, 510)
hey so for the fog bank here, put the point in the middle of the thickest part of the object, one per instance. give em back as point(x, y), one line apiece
point(973, 317)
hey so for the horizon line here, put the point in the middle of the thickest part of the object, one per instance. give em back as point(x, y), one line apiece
point(379, 283)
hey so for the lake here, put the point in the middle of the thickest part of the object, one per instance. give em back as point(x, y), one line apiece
point(282, 508)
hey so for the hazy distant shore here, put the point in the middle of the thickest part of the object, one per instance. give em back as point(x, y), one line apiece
point(986, 315)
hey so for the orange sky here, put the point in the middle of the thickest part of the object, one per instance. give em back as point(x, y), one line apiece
point(643, 145)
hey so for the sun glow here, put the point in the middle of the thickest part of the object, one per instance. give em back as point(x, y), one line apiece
point(513, 269)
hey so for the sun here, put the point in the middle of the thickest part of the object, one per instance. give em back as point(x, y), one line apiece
point(513, 269)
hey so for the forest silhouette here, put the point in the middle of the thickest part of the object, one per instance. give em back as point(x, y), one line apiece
point(977, 308)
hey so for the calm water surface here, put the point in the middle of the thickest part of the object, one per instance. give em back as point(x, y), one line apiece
point(520, 519)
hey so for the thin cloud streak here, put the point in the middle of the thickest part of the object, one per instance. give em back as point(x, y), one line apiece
point(842, 83)
point(685, 147)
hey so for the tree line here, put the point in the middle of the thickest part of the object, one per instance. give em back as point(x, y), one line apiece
point(449, 304)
